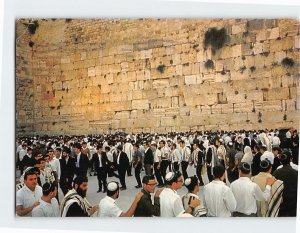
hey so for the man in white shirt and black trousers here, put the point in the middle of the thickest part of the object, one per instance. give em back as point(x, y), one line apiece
point(246, 192)
point(185, 157)
point(218, 198)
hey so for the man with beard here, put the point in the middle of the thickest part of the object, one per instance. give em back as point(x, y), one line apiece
point(67, 165)
point(75, 203)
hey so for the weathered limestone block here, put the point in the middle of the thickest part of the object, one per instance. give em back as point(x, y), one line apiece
point(238, 28)
point(257, 48)
point(138, 94)
point(274, 33)
point(122, 115)
point(190, 79)
point(160, 83)
point(140, 104)
point(243, 107)
point(273, 105)
point(236, 50)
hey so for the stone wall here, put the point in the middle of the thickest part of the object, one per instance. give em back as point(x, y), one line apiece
point(94, 76)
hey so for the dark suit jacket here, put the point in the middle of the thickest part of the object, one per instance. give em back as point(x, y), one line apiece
point(149, 159)
point(28, 162)
point(83, 165)
point(104, 160)
point(124, 161)
point(67, 169)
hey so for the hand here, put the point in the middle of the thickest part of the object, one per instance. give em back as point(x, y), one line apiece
point(271, 180)
point(158, 192)
point(67, 180)
point(94, 209)
point(158, 166)
point(151, 166)
point(139, 196)
point(194, 203)
point(35, 204)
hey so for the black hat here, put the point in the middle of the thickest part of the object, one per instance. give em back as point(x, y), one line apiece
point(245, 167)
point(265, 164)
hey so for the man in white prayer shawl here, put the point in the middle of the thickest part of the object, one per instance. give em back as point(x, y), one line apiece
point(75, 203)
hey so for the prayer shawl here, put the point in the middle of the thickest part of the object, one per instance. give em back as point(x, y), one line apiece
point(221, 152)
point(73, 197)
point(269, 208)
point(195, 156)
point(199, 211)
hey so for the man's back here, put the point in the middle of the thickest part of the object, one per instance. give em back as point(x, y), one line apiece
point(289, 176)
point(170, 203)
point(219, 199)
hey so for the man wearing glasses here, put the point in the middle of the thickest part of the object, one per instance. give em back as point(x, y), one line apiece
point(145, 208)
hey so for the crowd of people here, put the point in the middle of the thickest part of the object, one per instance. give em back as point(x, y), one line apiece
point(249, 173)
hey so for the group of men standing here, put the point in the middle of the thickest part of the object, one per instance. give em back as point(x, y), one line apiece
point(233, 163)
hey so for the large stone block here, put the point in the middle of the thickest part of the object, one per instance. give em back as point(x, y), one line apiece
point(160, 83)
point(140, 104)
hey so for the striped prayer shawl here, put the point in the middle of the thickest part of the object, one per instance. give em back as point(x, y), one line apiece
point(275, 199)
point(72, 197)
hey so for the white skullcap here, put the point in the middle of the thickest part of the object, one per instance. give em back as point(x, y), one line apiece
point(187, 182)
point(112, 186)
point(170, 176)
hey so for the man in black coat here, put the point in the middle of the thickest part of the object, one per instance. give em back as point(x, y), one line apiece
point(148, 159)
point(82, 161)
point(122, 163)
point(28, 160)
point(101, 164)
point(67, 166)
point(289, 176)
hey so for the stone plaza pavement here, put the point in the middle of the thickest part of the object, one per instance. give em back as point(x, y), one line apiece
point(127, 196)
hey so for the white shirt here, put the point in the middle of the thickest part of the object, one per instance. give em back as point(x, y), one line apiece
point(218, 199)
point(99, 157)
point(108, 208)
point(276, 141)
point(45, 209)
point(128, 149)
point(185, 153)
point(110, 156)
point(55, 164)
point(26, 198)
point(118, 159)
point(294, 166)
point(170, 203)
point(175, 156)
point(22, 153)
point(246, 194)
point(157, 156)
point(165, 153)
point(78, 159)
point(267, 155)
